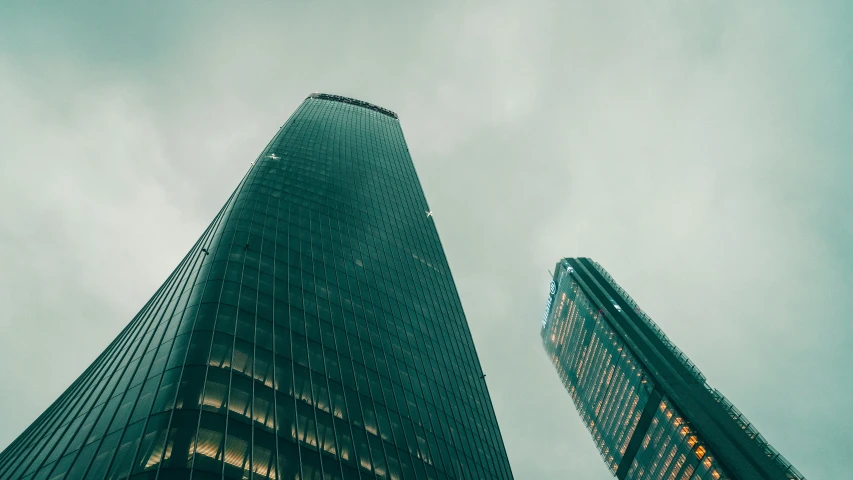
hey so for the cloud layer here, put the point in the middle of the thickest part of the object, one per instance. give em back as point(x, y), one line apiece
point(700, 153)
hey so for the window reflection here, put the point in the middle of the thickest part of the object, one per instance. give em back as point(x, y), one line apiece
point(345, 440)
point(264, 407)
point(237, 451)
point(220, 354)
point(216, 389)
point(209, 449)
point(305, 424)
point(286, 415)
point(212, 450)
point(264, 367)
point(361, 450)
point(240, 400)
point(242, 359)
point(153, 446)
point(326, 433)
point(302, 384)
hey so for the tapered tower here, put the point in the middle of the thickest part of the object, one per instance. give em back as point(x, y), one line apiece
point(313, 331)
point(649, 409)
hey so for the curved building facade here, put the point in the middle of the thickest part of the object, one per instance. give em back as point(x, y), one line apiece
point(314, 332)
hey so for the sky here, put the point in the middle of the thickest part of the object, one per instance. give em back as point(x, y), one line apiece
point(700, 151)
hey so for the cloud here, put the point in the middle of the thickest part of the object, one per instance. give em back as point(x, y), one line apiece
point(699, 152)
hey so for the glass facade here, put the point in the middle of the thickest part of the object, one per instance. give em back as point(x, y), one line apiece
point(313, 332)
point(603, 378)
point(648, 408)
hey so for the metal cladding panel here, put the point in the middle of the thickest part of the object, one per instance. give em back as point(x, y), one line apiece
point(313, 331)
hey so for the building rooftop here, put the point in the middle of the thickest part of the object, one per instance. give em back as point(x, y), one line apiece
point(353, 101)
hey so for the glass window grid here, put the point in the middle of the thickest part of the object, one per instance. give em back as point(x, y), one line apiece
point(583, 347)
point(672, 450)
point(398, 316)
point(598, 371)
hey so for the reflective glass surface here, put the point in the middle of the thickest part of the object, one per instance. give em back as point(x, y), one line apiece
point(314, 332)
point(603, 378)
point(671, 450)
point(638, 431)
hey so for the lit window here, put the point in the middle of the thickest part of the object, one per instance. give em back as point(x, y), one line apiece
point(700, 452)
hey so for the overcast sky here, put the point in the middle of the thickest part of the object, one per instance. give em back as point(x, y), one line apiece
point(700, 151)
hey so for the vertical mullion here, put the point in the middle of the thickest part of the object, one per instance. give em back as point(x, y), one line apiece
point(293, 360)
point(222, 218)
point(237, 320)
point(274, 341)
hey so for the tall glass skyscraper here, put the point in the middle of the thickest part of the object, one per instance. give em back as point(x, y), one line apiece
point(313, 332)
point(648, 408)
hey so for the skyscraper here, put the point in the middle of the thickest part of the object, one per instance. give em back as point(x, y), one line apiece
point(313, 331)
point(648, 408)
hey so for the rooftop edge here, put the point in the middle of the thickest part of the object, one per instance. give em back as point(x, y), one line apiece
point(353, 101)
